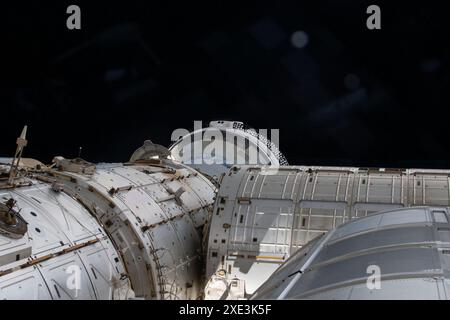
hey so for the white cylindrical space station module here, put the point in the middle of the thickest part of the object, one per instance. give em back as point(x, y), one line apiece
point(263, 215)
point(131, 230)
point(397, 254)
point(51, 247)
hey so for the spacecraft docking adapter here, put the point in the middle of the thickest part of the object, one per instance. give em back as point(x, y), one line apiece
point(154, 211)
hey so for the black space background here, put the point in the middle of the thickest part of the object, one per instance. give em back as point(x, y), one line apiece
point(140, 69)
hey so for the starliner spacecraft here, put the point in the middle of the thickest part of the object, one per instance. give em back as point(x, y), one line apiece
point(161, 227)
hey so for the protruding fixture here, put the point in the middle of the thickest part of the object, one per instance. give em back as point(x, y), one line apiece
point(12, 224)
point(150, 151)
point(76, 165)
point(21, 143)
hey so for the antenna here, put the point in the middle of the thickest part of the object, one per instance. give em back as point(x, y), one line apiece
point(21, 144)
